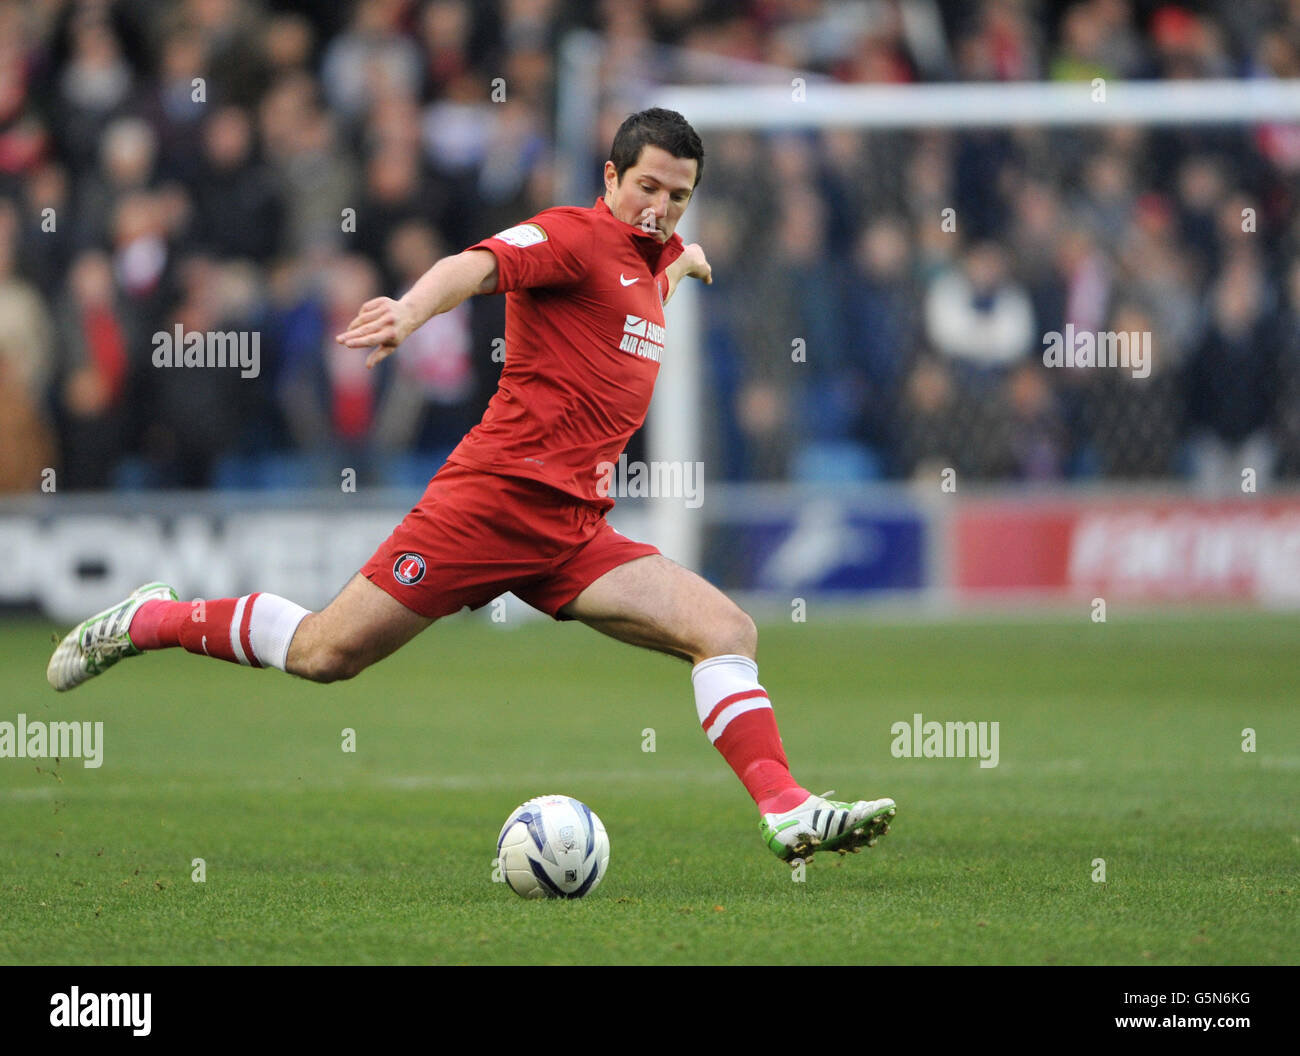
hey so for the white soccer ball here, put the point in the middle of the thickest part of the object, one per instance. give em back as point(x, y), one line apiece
point(552, 847)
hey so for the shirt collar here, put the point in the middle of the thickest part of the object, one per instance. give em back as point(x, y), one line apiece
point(658, 255)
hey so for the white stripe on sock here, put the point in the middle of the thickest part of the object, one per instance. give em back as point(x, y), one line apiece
point(235, 644)
point(731, 711)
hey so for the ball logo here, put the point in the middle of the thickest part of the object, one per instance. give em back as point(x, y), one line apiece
point(409, 569)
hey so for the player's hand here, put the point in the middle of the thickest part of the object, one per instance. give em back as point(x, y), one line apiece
point(381, 325)
point(696, 264)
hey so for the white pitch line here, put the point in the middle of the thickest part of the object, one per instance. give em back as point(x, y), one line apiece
point(406, 783)
point(913, 770)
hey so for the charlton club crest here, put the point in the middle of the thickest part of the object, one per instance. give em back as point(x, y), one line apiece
point(409, 569)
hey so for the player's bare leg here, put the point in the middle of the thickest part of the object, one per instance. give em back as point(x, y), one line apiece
point(358, 628)
point(657, 604)
point(654, 603)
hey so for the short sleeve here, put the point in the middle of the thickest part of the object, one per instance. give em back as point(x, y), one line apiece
point(551, 249)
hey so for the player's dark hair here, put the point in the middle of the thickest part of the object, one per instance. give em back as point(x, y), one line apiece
point(656, 127)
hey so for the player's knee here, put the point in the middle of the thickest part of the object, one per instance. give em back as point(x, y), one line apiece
point(733, 633)
point(745, 634)
point(328, 662)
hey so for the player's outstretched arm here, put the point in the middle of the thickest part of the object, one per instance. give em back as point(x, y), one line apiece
point(383, 323)
point(691, 264)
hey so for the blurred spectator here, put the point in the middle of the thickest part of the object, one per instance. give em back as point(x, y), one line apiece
point(1159, 272)
point(290, 41)
point(794, 333)
point(23, 137)
point(721, 229)
point(94, 84)
point(930, 202)
point(840, 183)
point(142, 253)
point(178, 104)
point(1106, 207)
point(1288, 395)
point(514, 148)
point(196, 411)
point(883, 316)
point(48, 227)
point(371, 59)
point(1082, 56)
point(1036, 243)
point(1122, 45)
point(395, 192)
point(316, 178)
point(1084, 278)
point(1134, 424)
point(739, 177)
point(26, 365)
point(94, 363)
point(327, 395)
point(234, 184)
point(427, 406)
point(129, 149)
point(234, 35)
point(977, 314)
point(1232, 381)
point(1005, 45)
point(1187, 45)
point(445, 27)
point(1201, 188)
point(1036, 431)
point(943, 428)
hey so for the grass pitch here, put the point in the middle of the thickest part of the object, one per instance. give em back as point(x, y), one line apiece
point(1120, 741)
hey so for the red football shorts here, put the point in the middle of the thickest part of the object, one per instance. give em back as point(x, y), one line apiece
point(474, 536)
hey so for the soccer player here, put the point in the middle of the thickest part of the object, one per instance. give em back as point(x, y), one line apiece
point(519, 505)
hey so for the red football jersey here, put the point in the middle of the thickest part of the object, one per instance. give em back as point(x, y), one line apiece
point(584, 335)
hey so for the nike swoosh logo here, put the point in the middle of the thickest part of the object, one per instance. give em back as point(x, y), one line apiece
point(627, 282)
point(204, 644)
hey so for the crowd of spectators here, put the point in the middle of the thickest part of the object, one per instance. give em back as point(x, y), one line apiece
point(265, 167)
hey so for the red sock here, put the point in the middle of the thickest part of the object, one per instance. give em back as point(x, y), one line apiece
point(156, 624)
point(751, 745)
point(737, 716)
point(204, 627)
point(255, 630)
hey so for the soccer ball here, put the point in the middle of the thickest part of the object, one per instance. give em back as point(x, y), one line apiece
point(552, 847)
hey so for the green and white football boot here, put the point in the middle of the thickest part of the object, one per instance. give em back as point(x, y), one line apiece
point(821, 824)
point(96, 644)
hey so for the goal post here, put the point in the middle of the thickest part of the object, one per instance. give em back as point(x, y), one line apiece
point(981, 105)
point(674, 429)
